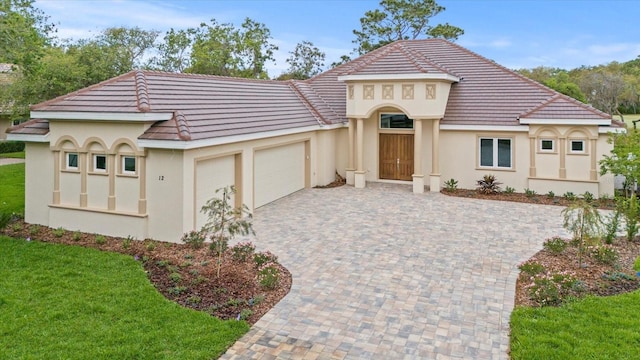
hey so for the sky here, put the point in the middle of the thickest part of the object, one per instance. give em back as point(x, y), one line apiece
point(514, 33)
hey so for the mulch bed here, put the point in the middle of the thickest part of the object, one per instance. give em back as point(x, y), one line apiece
point(196, 284)
point(598, 279)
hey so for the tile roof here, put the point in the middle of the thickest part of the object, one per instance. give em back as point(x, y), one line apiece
point(205, 106)
point(31, 127)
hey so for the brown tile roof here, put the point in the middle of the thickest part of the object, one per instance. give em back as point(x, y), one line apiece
point(31, 127)
point(206, 106)
point(203, 106)
point(487, 94)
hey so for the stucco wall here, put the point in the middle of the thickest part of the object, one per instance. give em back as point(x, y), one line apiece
point(38, 184)
point(4, 125)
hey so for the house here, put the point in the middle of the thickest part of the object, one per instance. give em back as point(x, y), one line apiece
point(138, 155)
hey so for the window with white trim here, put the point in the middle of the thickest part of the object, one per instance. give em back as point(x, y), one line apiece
point(577, 146)
point(99, 163)
point(72, 160)
point(495, 152)
point(547, 145)
point(129, 165)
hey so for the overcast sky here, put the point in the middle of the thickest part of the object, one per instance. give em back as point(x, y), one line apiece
point(514, 33)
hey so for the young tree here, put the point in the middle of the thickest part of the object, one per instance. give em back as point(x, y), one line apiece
point(585, 223)
point(305, 61)
point(401, 20)
point(224, 222)
point(624, 159)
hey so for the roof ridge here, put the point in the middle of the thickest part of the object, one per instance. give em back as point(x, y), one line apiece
point(208, 76)
point(372, 56)
point(142, 92)
point(182, 125)
point(319, 118)
point(415, 56)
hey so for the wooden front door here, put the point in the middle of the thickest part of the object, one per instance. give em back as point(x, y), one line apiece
point(396, 156)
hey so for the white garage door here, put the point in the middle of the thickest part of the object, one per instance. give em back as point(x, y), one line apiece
point(212, 174)
point(278, 172)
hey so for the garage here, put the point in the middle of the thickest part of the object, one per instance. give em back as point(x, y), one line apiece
point(278, 172)
point(211, 174)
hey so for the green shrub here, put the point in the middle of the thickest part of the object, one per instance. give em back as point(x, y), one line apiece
point(605, 255)
point(588, 197)
point(555, 245)
point(509, 190)
point(244, 314)
point(531, 268)
point(554, 289)
point(268, 276)
point(488, 185)
point(243, 251)
point(175, 277)
point(194, 238)
point(77, 235)
point(569, 196)
point(100, 239)
point(611, 226)
point(451, 185)
point(551, 194)
point(58, 232)
point(34, 230)
point(262, 258)
point(11, 146)
point(529, 192)
point(630, 210)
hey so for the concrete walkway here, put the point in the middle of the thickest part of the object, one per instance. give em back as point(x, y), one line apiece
point(382, 273)
point(8, 161)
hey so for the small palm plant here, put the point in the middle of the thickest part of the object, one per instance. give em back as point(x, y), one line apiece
point(488, 185)
point(225, 222)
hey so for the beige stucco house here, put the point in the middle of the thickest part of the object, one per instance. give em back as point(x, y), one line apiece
point(138, 155)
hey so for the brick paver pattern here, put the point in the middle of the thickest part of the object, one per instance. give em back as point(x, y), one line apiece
point(382, 273)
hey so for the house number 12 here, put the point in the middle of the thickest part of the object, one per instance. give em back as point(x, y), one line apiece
point(161, 177)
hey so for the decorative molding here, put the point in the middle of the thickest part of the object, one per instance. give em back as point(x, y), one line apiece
point(407, 92)
point(387, 92)
point(368, 92)
point(431, 91)
point(350, 90)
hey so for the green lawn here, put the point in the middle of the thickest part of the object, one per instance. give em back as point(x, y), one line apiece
point(592, 328)
point(68, 302)
point(14, 155)
point(12, 189)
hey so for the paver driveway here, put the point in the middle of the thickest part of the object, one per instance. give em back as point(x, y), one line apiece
point(384, 273)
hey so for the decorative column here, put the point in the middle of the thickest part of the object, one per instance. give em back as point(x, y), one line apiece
point(142, 178)
point(56, 177)
point(563, 160)
point(532, 157)
point(83, 178)
point(111, 165)
point(594, 172)
point(350, 161)
point(418, 177)
point(359, 175)
point(434, 177)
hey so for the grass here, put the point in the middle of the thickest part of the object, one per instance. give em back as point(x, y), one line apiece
point(628, 119)
point(591, 328)
point(14, 155)
point(59, 301)
point(12, 188)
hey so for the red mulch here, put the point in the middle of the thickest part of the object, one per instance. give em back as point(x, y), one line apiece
point(197, 286)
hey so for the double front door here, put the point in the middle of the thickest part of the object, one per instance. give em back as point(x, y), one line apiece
point(396, 156)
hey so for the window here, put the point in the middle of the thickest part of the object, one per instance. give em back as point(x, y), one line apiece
point(577, 146)
point(128, 165)
point(495, 153)
point(100, 163)
point(72, 161)
point(395, 121)
point(547, 145)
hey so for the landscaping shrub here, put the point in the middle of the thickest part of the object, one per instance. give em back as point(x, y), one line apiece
point(529, 192)
point(488, 185)
point(531, 268)
point(193, 238)
point(262, 258)
point(11, 146)
point(451, 185)
point(555, 245)
point(509, 190)
point(551, 289)
point(630, 210)
point(243, 251)
point(268, 276)
point(605, 255)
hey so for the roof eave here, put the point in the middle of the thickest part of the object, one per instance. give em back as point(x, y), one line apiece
point(38, 138)
point(103, 116)
point(534, 121)
point(391, 77)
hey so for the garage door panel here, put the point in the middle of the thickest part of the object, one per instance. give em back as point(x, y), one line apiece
point(278, 172)
point(211, 175)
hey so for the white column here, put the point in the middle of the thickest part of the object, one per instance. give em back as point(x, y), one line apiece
point(351, 154)
point(434, 177)
point(359, 178)
point(418, 177)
